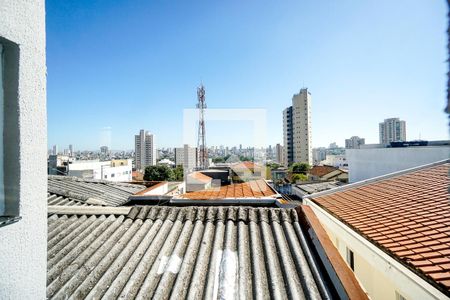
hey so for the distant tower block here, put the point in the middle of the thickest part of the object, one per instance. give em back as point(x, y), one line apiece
point(202, 160)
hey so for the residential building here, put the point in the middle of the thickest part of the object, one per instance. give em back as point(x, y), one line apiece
point(327, 173)
point(392, 130)
point(114, 170)
point(354, 142)
point(319, 154)
point(393, 231)
point(58, 164)
point(186, 157)
point(333, 145)
point(145, 150)
point(378, 160)
point(338, 161)
point(279, 151)
point(71, 152)
point(23, 126)
point(104, 150)
point(297, 129)
point(55, 150)
point(197, 181)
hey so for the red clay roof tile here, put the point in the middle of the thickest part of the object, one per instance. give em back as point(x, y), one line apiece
point(407, 214)
point(252, 189)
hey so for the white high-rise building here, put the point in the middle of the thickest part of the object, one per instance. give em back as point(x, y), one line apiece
point(145, 150)
point(55, 150)
point(187, 157)
point(297, 129)
point(392, 130)
point(354, 142)
point(71, 150)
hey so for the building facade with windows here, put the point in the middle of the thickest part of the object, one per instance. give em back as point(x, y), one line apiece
point(297, 129)
point(187, 157)
point(279, 154)
point(145, 150)
point(354, 142)
point(392, 130)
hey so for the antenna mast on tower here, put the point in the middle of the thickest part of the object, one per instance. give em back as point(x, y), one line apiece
point(202, 158)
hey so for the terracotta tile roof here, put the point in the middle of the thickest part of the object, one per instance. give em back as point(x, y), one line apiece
point(252, 189)
point(407, 215)
point(245, 165)
point(321, 170)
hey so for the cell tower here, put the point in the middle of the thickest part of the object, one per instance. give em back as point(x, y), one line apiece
point(202, 154)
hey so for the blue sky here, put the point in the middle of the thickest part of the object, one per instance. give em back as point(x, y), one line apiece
point(116, 66)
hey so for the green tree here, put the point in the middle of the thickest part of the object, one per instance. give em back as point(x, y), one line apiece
point(178, 173)
point(300, 168)
point(299, 177)
point(158, 173)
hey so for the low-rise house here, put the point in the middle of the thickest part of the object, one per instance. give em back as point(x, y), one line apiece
point(197, 181)
point(247, 170)
point(394, 231)
point(328, 173)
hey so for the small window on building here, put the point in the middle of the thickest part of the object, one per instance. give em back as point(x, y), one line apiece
point(112, 175)
point(106, 176)
point(351, 259)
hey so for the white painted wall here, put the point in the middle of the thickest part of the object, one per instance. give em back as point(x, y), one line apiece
point(368, 163)
point(101, 170)
point(379, 274)
point(23, 245)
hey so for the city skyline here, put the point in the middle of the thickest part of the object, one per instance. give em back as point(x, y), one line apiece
point(244, 61)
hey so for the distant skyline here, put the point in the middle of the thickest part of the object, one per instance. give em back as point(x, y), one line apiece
point(117, 67)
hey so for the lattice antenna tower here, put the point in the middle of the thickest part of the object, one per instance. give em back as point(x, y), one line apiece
point(202, 158)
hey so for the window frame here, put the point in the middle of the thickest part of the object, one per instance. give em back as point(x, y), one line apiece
point(10, 145)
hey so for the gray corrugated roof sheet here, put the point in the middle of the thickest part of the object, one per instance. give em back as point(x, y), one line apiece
point(56, 200)
point(176, 253)
point(97, 192)
point(310, 188)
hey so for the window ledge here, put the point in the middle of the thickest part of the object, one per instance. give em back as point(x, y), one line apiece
point(7, 220)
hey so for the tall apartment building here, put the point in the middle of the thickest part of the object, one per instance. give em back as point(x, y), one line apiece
point(279, 149)
point(55, 150)
point(187, 157)
point(145, 150)
point(392, 130)
point(354, 142)
point(297, 129)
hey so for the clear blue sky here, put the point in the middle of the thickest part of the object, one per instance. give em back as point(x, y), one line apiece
point(127, 65)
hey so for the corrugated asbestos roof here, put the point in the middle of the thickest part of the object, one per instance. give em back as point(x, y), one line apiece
point(97, 192)
point(177, 253)
point(55, 200)
point(406, 215)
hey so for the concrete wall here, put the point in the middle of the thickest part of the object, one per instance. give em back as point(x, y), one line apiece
point(102, 170)
point(368, 163)
point(380, 275)
point(23, 245)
